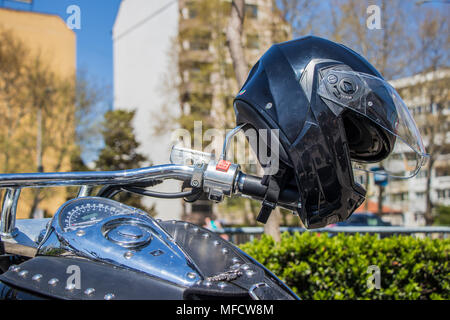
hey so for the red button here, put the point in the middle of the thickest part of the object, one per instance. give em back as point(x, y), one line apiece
point(223, 165)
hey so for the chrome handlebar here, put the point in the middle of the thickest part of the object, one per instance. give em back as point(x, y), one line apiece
point(214, 180)
point(14, 182)
point(55, 179)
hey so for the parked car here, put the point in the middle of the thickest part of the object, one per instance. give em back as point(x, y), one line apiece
point(363, 219)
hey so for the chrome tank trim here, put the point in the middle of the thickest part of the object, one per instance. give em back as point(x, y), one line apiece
point(172, 265)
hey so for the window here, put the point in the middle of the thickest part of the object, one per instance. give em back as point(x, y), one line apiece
point(200, 71)
point(442, 171)
point(229, 71)
point(360, 179)
point(372, 222)
point(418, 110)
point(228, 101)
point(398, 197)
point(253, 41)
point(422, 173)
point(251, 11)
point(198, 45)
point(200, 104)
point(192, 10)
point(200, 41)
point(443, 194)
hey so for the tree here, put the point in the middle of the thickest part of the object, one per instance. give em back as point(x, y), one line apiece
point(442, 216)
point(13, 105)
point(234, 40)
point(37, 115)
point(299, 14)
point(120, 151)
point(432, 49)
point(236, 49)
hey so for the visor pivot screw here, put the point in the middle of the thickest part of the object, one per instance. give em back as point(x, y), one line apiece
point(348, 86)
point(269, 105)
point(370, 103)
point(332, 79)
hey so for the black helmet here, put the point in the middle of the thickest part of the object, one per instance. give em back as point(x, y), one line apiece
point(330, 108)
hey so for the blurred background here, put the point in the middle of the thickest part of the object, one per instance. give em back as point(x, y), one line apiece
point(102, 85)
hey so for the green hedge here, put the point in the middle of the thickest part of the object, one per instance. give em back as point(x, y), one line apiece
point(317, 266)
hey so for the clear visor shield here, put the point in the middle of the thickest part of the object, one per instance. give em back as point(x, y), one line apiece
point(378, 101)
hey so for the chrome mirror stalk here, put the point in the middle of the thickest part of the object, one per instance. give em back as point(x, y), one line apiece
point(8, 216)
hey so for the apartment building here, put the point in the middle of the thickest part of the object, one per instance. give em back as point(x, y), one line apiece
point(171, 59)
point(427, 97)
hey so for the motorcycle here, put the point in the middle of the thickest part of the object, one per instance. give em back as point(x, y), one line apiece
point(97, 248)
point(330, 113)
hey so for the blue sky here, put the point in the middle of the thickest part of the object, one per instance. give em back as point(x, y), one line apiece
point(94, 39)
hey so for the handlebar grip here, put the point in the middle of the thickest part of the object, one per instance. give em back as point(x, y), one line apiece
point(251, 186)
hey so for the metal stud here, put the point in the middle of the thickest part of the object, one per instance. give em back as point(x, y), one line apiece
point(89, 291)
point(216, 242)
point(235, 260)
point(221, 285)
point(250, 273)
point(156, 252)
point(225, 250)
point(245, 267)
point(23, 273)
point(207, 283)
point(53, 281)
point(191, 275)
point(205, 235)
point(128, 255)
point(70, 286)
point(80, 233)
point(235, 266)
point(109, 296)
point(37, 277)
point(195, 229)
point(14, 268)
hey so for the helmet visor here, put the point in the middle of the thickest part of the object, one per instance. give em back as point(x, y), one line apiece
point(385, 126)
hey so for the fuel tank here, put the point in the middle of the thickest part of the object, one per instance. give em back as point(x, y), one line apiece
point(130, 255)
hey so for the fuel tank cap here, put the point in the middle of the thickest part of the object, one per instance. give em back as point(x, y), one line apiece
point(127, 233)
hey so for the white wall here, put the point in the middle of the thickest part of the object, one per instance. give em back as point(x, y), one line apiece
point(142, 37)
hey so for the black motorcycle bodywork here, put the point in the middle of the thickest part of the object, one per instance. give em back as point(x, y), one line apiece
point(226, 271)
